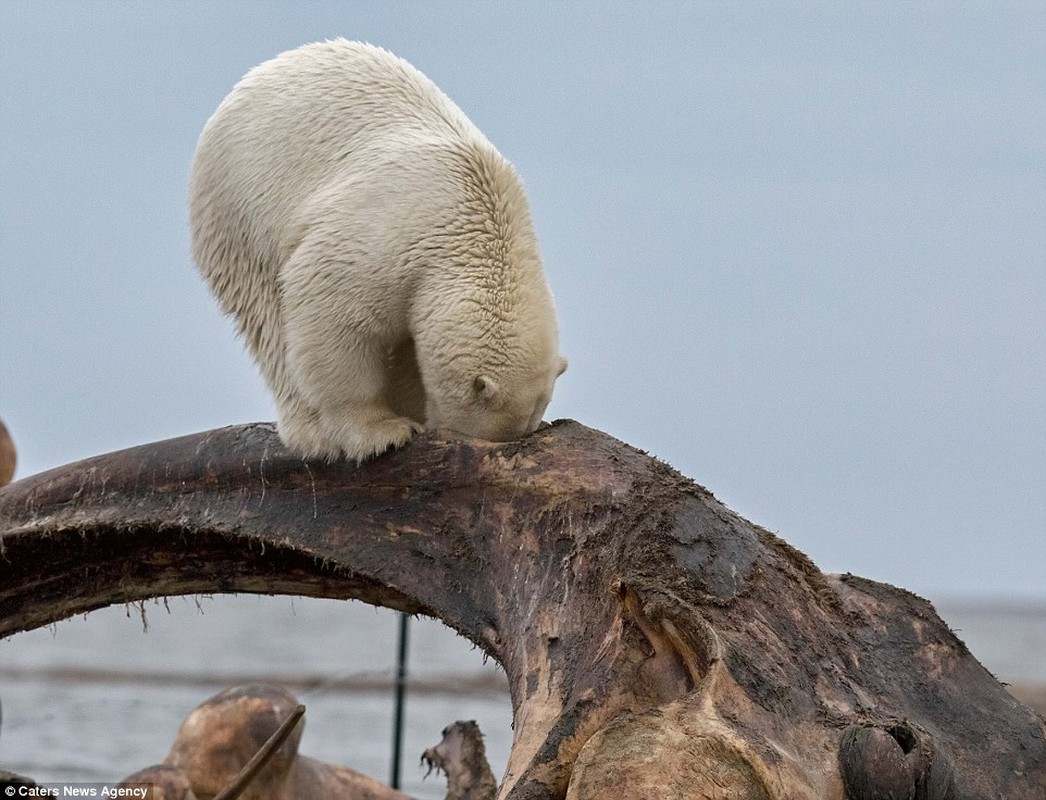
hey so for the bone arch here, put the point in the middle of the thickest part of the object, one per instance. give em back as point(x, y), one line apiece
point(574, 560)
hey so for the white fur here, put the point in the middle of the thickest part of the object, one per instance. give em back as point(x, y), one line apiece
point(376, 251)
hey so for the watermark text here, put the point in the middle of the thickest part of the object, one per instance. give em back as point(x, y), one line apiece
point(126, 791)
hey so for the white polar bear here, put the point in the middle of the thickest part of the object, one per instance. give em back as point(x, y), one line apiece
point(377, 253)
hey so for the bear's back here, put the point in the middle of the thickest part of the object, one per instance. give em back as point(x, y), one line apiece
point(293, 127)
point(298, 122)
point(338, 93)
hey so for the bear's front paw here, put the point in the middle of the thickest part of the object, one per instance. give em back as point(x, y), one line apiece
point(378, 436)
point(355, 436)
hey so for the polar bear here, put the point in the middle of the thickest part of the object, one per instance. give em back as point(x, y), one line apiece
point(377, 253)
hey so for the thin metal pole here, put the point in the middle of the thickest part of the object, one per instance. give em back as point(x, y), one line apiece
point(401, 688)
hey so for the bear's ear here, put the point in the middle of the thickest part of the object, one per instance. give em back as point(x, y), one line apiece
point(562, 366)
point(486, 388)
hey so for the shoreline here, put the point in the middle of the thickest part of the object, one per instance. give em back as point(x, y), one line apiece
point(1030, 693)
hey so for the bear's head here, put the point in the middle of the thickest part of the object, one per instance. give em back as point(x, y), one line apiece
point(496, 404)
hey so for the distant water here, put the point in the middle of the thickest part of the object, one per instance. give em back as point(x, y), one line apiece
point(1007, 638)
point(57, 729)
point(95, 698)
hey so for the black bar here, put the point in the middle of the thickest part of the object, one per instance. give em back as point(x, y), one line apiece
point(401, 688)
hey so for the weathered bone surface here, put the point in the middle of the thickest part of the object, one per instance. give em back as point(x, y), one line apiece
point(8, 458)
point(462, 757)
point(162, 782)
point(221, 736)
point(656, 644)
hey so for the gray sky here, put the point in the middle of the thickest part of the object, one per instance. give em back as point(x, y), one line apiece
point(799, 251)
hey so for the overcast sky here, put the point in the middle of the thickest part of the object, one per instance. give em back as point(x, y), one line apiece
point(798, 250)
